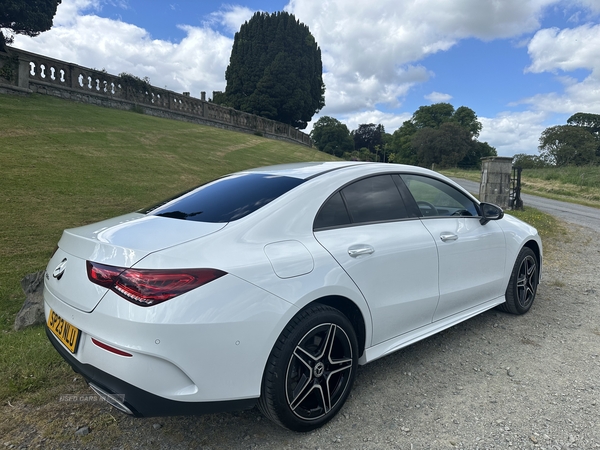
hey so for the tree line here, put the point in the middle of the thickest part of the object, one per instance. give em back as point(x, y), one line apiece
point(436, 135)
point(575, 144)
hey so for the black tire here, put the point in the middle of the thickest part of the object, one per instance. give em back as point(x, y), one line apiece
point(311, 369)
point(523, 283)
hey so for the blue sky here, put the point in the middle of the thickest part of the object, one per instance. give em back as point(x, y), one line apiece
point(521, 65)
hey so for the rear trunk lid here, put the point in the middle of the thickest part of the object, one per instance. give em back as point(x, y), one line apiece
point(121, 242)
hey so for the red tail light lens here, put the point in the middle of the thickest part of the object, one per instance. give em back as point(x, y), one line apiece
point(147, 287)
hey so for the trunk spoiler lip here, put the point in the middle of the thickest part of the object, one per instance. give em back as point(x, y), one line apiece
point(125, 240)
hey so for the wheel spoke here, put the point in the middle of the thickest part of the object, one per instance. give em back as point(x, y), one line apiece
point(304, 392)
point(526, 279)
point(302, 388)
point(335, 365)
point(328, 345)
point(530, 268)
point(325, 397)
point(340, 365)
point(306, 358)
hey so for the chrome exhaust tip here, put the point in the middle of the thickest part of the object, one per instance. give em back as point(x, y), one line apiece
point(116, 400)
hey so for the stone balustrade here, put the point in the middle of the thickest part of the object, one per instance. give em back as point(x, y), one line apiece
point(44, 75)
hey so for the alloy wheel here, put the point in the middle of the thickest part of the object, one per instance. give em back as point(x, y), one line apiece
point(527, 281)
point(319, 371)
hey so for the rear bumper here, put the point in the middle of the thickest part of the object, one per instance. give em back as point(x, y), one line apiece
point(143, 403)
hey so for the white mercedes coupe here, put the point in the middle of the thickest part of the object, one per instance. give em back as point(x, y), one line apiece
point(269, 286)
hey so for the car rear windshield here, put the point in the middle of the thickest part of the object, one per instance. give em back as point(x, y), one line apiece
point(226, 199)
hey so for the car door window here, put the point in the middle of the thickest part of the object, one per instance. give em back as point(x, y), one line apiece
point(332, 214)
point(438, 199)
point(373, 199)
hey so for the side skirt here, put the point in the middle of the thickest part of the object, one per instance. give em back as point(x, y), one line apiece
point(404, 340)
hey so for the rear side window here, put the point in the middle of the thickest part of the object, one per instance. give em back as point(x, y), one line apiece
point(372, 199)
point(333, 213)
point(226, 199)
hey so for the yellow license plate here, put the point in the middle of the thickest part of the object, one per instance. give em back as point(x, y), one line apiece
point(64, 331)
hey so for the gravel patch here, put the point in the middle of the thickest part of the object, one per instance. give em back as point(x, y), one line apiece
point(496, 381)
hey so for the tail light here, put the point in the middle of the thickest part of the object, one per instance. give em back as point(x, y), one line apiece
point(147, 287)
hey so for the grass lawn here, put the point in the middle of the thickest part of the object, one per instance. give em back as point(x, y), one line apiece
point(570, 184)
point(65, 164)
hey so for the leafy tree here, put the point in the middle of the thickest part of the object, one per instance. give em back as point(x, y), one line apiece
point(409, 142)
point(475, 152)
point(364, 154)
point(401, 144)
point(445, 146)
point(528, 161)
point(432, 116)
point(29, 17)
point(275, 70)
point(369, 135)
point(564, 145)
point(467, 119)
point(332, 136)
point(590, 122)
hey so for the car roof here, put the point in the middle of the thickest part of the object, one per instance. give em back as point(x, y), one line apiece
point(308, 170)
point(303, 170)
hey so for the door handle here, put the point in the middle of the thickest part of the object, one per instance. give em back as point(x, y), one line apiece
point(448, 237)
point(359, 250)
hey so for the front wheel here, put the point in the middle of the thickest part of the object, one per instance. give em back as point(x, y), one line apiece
point(311, 369)
point(523, 283)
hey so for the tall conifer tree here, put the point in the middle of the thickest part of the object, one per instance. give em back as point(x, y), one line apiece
point(275, 70)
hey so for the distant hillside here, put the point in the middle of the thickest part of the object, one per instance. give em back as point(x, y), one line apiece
point(63, 164)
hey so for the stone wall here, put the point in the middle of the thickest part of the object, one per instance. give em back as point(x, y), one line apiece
point(26, 72)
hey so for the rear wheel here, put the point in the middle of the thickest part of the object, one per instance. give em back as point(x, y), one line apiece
point(311, 369)
point(523, 283)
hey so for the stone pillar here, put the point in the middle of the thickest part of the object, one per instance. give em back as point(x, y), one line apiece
point(24, 69)
point(495, 180)
point(71, 79)
point(203, 96)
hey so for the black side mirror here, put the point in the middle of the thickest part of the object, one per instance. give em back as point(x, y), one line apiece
point(490, 212)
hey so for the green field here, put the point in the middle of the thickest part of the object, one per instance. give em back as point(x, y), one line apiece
point(575, 184)
point(65, 164)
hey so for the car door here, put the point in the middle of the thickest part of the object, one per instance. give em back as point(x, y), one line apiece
point(391, 257)
point(471, 255)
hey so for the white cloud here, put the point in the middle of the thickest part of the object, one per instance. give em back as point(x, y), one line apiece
point(232, 17)
point(552, 49)
point(512, 133)
point(195, 64)
point(592, 5)
point(438, 97)
point(578, 97)
point(372, 40)
point(358, 92)
point(370, 47)
point(562, 51)
point(69, 10)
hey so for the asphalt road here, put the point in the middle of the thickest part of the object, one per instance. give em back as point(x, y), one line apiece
point(569, 212)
